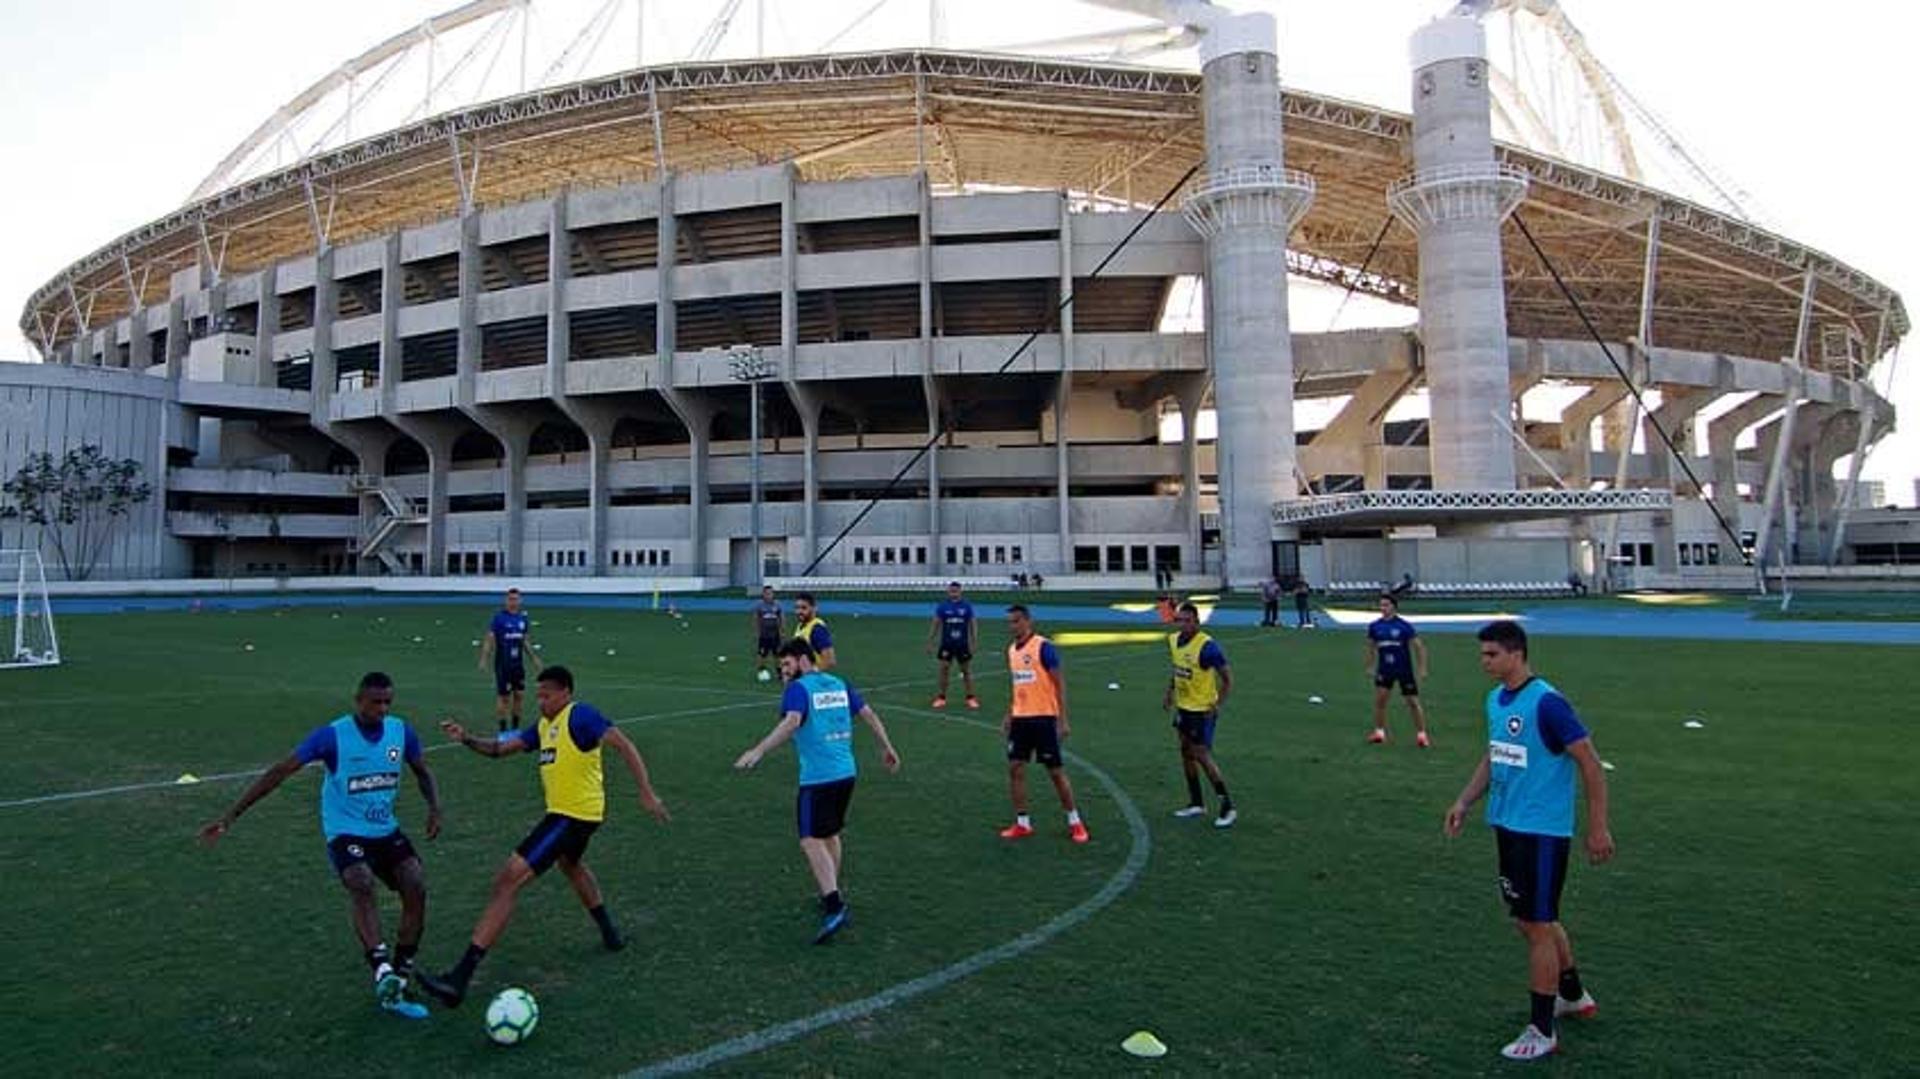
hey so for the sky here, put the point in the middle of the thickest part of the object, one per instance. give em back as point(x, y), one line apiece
point(112, 112)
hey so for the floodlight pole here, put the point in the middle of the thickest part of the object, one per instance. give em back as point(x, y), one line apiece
point(748, 365)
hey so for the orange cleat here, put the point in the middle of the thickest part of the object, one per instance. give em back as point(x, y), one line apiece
point(1078, 833)
point(1016, 830)
point(973, 703)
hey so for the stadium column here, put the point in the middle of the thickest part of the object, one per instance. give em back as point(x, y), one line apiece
point(693, 413)
point(321, 379)
point(1245, 206)
point(177, 342)
point(806, 402)
point(1454, 201)
point(512, 432)
point(1191, 392)
point(1063, 392)
point(594, 418)
point(929, 382)
point(1723, 434)
point(1678, 407)
point(266, 326)
point(1794, 379)
point(1576, 430)
point(789, 348)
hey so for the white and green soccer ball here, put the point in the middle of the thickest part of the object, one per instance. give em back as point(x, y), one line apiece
point(511, 1017)
point(765, 675)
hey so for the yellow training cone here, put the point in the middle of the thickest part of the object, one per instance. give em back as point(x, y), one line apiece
point(187, 777)
point(1142, 1043)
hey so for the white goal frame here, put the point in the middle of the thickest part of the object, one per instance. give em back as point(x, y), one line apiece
point(26, 591)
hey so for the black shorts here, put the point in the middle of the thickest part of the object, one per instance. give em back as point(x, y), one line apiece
point(820, 809)
point(767, 646)
point(383, 854)
point(1408, 686)
point(1533, 870)
point(556, 836)
point(511, 679)
point(1195, 727)
point(1034, 738)
point(957, 653)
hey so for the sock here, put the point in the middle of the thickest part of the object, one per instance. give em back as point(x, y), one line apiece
point(404, 955)
point(1543, 1012)
point(1023, 820)
point(1193, 791)
point(604, 920)
point(1073, 817)
point(377, 956)
point(831, 903)
point(1570, 987)
point(463, 970)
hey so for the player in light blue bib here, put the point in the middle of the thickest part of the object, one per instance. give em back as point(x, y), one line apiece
point(361, 754)
point(816, 712)
point(1535, 747)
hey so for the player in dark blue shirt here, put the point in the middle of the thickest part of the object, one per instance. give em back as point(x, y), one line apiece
point(953, 626)
point(509, 644)
point(1396, 656)
point(769, 626)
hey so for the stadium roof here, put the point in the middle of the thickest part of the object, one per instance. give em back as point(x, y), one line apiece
point(1104, 131)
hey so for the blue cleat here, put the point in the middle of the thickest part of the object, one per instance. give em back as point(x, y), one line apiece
point(832, 924)
point(405, 1009)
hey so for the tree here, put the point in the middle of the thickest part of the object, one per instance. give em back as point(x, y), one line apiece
point(77, 500)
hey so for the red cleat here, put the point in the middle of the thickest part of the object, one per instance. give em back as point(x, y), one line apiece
point(1078, 833)
point(939, 702)
point(1378, 737)
point(1422, 740)
point(1016, 830)
point(973, 703)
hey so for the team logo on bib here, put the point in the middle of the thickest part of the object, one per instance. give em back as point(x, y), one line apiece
point(393, 753)
point(1514, 724)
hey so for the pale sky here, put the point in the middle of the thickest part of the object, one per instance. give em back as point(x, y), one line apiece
point(110, 113)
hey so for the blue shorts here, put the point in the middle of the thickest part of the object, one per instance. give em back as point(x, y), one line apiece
point(1533, 870)
point(820, 809)
point(1409, 687)
point(509, 679)
point(556, 836)
point(382, 854)
point(1195, 727)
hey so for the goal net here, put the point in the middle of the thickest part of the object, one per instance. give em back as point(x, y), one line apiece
point(26, 616)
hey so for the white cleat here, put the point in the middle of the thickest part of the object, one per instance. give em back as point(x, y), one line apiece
point(1584, 1008)
point(1225, 820)
point(1190, 811)
point(1531, 1045)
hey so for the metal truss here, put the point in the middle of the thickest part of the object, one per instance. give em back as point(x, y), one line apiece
point(1417, 505)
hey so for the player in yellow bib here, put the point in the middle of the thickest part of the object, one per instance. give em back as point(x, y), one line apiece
point(1197, 688)
point(568, 737)
point(808, 626)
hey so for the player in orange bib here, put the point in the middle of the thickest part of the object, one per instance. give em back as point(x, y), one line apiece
point(1035, 724)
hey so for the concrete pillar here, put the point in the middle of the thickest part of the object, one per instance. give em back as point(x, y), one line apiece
point(177, 342)
point(929, 382)
point(1780, 462)
point(321, 369)
point(267, 326)
point(665, 311)
point(139, 346)
point(1245, 208)
point(1454, 201)
point(1723, 432)
point(1063, 391)
point(1191, 393)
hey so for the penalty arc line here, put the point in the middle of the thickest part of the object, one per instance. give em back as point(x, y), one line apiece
point(781, 1033)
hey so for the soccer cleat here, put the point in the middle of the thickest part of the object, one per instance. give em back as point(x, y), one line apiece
point(444, 988)
point(1531, 1045)
point(1422, 740)
point(1077, 832)
point(973, 703)
point(1225, 820)
point(1016, 830)
point(1190, 811)
point(613, 941)
point(1584, 1008)
point(832, 923)
point(405, 1009)
point(1378, 737)
point(939, 702)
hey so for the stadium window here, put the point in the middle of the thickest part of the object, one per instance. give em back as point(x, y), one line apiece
point(889, 556)
point(1646, 554)
point(1137, 558)
point(951, 559)
point(453, 562)
point(490, 562)
point(1713, 554)
point(1699, 554)
point(966, 556)
point(547, 557)
point(1116, 558)
point(1086, 559)
point(666, 558)
point(1686, 554)
point(1013, 553)
point(920, 556)
point(1167, 556)
point(982, 559)
point(859, 556)
point(583, 561)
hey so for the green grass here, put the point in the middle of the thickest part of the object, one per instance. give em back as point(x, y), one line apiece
point(1759, 918)
point(1811, 606)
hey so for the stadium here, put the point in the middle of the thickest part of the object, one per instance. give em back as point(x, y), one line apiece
point(537, 337)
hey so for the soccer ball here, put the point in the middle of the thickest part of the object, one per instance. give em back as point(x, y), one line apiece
point(511, 1017)
point(765, 675)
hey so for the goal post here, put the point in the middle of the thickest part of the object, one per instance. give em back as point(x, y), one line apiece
point(27, 637)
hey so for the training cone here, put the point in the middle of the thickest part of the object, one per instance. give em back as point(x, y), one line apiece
point(1142, 1043)
point(187, 777)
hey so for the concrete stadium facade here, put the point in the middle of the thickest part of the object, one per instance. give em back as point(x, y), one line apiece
point(548, 387)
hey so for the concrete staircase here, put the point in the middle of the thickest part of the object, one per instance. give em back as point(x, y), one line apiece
point(388, 513)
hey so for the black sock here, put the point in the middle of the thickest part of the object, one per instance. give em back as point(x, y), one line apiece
point(377, 955)
point(404, 955)
point(463, 970)
point(1226, 800)
point(1570, 988)
point(1543, 1012)
point(604, 920)
point(1193, 791)
point(831, 903)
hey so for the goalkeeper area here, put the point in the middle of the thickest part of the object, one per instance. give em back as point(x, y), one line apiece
point(1762, 800)
point(27, 636)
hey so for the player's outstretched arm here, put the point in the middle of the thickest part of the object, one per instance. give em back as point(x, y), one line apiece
point(486, 650)
point(1593, 779)
point(486, 747)
point(781, 731)
point(1476, 786)
point(211, 831)
point(889, 756)
point(430, 790)
point(630, 753)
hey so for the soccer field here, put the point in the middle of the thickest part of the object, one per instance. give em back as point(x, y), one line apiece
point(1759, 918)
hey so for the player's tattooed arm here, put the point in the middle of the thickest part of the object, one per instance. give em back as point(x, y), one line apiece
point(486, 747)
point(211, 832)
